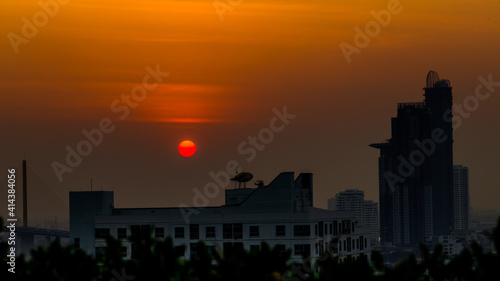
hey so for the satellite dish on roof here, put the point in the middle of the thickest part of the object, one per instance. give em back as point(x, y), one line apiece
point(242, 178)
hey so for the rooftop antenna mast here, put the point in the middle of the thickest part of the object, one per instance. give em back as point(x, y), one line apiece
point(25, 196)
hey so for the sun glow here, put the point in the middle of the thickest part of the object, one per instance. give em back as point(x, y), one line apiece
point(187, 148)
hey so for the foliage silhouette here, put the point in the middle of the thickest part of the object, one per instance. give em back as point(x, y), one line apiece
point(159, 259)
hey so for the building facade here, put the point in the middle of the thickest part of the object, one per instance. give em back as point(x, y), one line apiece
point(280, 214)
point(349, 200)
point(416, 169)
point(452, 246)
point(365, 211)
point(370, 220)
point(461, 197)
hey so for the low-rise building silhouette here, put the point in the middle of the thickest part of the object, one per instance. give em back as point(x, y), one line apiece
point(280, 214)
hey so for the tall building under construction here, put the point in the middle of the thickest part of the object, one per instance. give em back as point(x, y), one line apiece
point(416, 169)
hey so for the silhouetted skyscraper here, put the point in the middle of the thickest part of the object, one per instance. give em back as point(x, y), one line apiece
point(439, 101)
point(416, 169)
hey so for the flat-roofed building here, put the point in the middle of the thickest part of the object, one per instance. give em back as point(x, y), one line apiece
point(280, 214)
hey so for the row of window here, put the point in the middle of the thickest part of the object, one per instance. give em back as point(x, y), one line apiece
point(335, 228)
point(194, 249)
point(303, 250)
point(298, 250)
point(346, 245)
point(228, 247)
point(231, 231)
point(103, 233)
point(349, 244)
point(234, 230)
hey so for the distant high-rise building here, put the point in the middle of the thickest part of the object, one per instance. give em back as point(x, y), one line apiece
point(365, 211)
point(416, 169)
point(439, 101)
point(349, 200)
point(461, 196)
point(370, 219)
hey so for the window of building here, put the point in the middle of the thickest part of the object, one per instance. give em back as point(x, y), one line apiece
point(179, 232)
point(237, 231)
point(315, 230)
point(135, 230)
point(101, 233)
point(331, 228)
point(133, 251)
point(124, 251)
point(232, 231)
point(122, 233)
point(346, 227)
point(348, 244)
point(254, 231)
point(227, 247)
point(280, 230)
point(159, 232)
point(335, 228)
point(326, 229)
point(232, 247)
point(194, 231)
point(194, 250)
point(140, 229)
point(320, 229)
point(211, 250)
point(227, 231)
point(303, 250)
point(302, 230)
point(210, 232)
point(77, 242)
point(146, 229)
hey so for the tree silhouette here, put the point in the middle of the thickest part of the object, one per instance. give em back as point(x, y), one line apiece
point(159, 259)
point(265, 264)
point(58, 263)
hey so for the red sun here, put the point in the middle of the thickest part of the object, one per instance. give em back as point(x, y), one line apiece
point(187, 148)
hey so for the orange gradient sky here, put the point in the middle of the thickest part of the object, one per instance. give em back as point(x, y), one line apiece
point(225, 78)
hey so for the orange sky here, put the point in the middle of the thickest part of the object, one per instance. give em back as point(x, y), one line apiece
point(225, 77)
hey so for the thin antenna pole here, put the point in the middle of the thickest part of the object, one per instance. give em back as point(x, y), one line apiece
point(25, 197)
